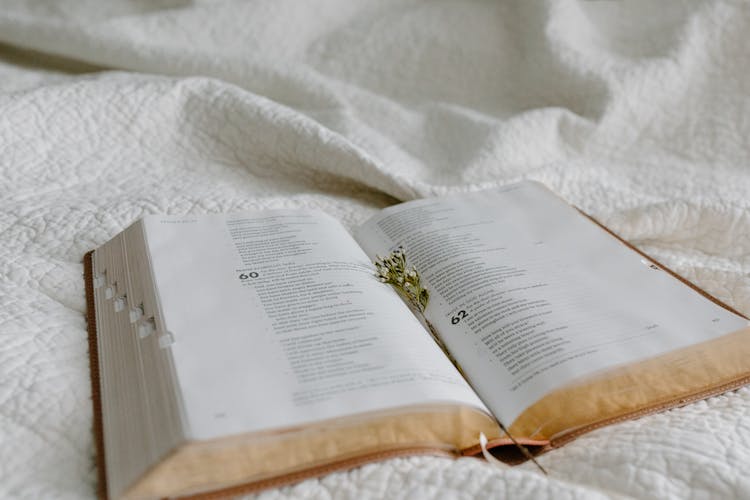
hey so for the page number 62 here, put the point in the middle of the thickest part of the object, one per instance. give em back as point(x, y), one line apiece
point(458, 317)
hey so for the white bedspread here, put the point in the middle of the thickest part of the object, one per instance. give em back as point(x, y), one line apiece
point(639, 116)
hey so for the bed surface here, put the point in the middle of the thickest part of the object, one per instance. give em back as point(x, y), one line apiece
point(641, 118)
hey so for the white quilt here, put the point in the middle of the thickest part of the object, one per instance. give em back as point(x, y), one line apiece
point(639, 113)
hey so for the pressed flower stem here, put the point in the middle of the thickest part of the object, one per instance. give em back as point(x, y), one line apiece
point(524, 451)
point(441, 345)
point(394, 271)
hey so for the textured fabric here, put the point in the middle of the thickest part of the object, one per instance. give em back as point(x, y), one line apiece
point(639, 113)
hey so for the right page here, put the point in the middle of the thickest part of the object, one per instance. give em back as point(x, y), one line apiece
point(529, 295)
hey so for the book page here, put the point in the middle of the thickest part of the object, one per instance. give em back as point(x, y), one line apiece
point(275, 319)
point(529, 295)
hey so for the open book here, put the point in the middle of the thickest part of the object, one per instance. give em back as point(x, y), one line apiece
point(237, 352)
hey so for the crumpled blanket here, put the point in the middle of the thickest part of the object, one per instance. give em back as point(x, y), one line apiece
point(638, 113)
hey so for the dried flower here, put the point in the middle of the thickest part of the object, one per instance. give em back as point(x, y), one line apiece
point(394, 271)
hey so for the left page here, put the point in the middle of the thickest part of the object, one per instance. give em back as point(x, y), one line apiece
point(276, 320)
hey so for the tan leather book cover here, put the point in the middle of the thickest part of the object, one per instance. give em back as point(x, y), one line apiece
point(663, 382)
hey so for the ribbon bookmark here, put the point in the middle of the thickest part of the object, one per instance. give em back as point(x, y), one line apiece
point(489, 456)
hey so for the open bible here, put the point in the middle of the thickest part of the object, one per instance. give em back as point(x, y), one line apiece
point(237, 352)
